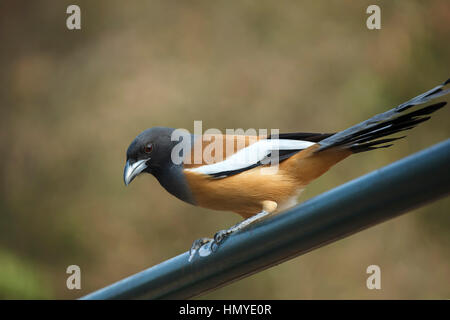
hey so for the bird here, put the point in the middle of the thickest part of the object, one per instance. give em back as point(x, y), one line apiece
point(240, 180)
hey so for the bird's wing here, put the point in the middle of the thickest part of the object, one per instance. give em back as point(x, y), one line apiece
point(247, 152)
point(307, 136)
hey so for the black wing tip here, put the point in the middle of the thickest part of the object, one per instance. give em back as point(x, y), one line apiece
point(371, 148)
point(446, 82)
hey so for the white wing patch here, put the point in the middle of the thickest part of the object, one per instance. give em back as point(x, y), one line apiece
point(251, 155)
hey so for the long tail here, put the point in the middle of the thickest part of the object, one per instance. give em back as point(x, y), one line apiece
point(363, 136)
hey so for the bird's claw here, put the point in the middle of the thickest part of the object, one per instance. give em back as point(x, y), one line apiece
point(219, 237)
point(196, 245)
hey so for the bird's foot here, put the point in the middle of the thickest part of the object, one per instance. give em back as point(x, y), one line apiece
point(197, 245)
point(205, 246)
point(220, 236)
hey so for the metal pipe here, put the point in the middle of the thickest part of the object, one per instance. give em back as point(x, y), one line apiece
point(371, 199)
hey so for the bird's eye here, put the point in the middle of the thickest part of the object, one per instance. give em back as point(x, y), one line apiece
point(148, 148)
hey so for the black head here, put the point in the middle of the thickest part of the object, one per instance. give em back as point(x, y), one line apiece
point(149, 152)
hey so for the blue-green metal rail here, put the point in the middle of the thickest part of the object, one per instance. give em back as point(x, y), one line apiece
point(347, 209)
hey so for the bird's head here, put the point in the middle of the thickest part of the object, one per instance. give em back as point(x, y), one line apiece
point(148, 152)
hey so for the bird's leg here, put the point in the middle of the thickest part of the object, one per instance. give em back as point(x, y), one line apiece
point(268, 208)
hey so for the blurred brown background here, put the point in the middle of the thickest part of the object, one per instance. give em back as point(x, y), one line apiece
point(72, 101)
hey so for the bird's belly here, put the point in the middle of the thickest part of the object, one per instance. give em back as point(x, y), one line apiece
point(243, 193)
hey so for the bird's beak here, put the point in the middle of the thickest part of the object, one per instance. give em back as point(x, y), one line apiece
point(132, 170)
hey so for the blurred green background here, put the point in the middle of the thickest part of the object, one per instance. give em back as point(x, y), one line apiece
point(72, 101)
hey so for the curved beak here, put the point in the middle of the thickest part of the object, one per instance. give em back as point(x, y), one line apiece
point(132, 170)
